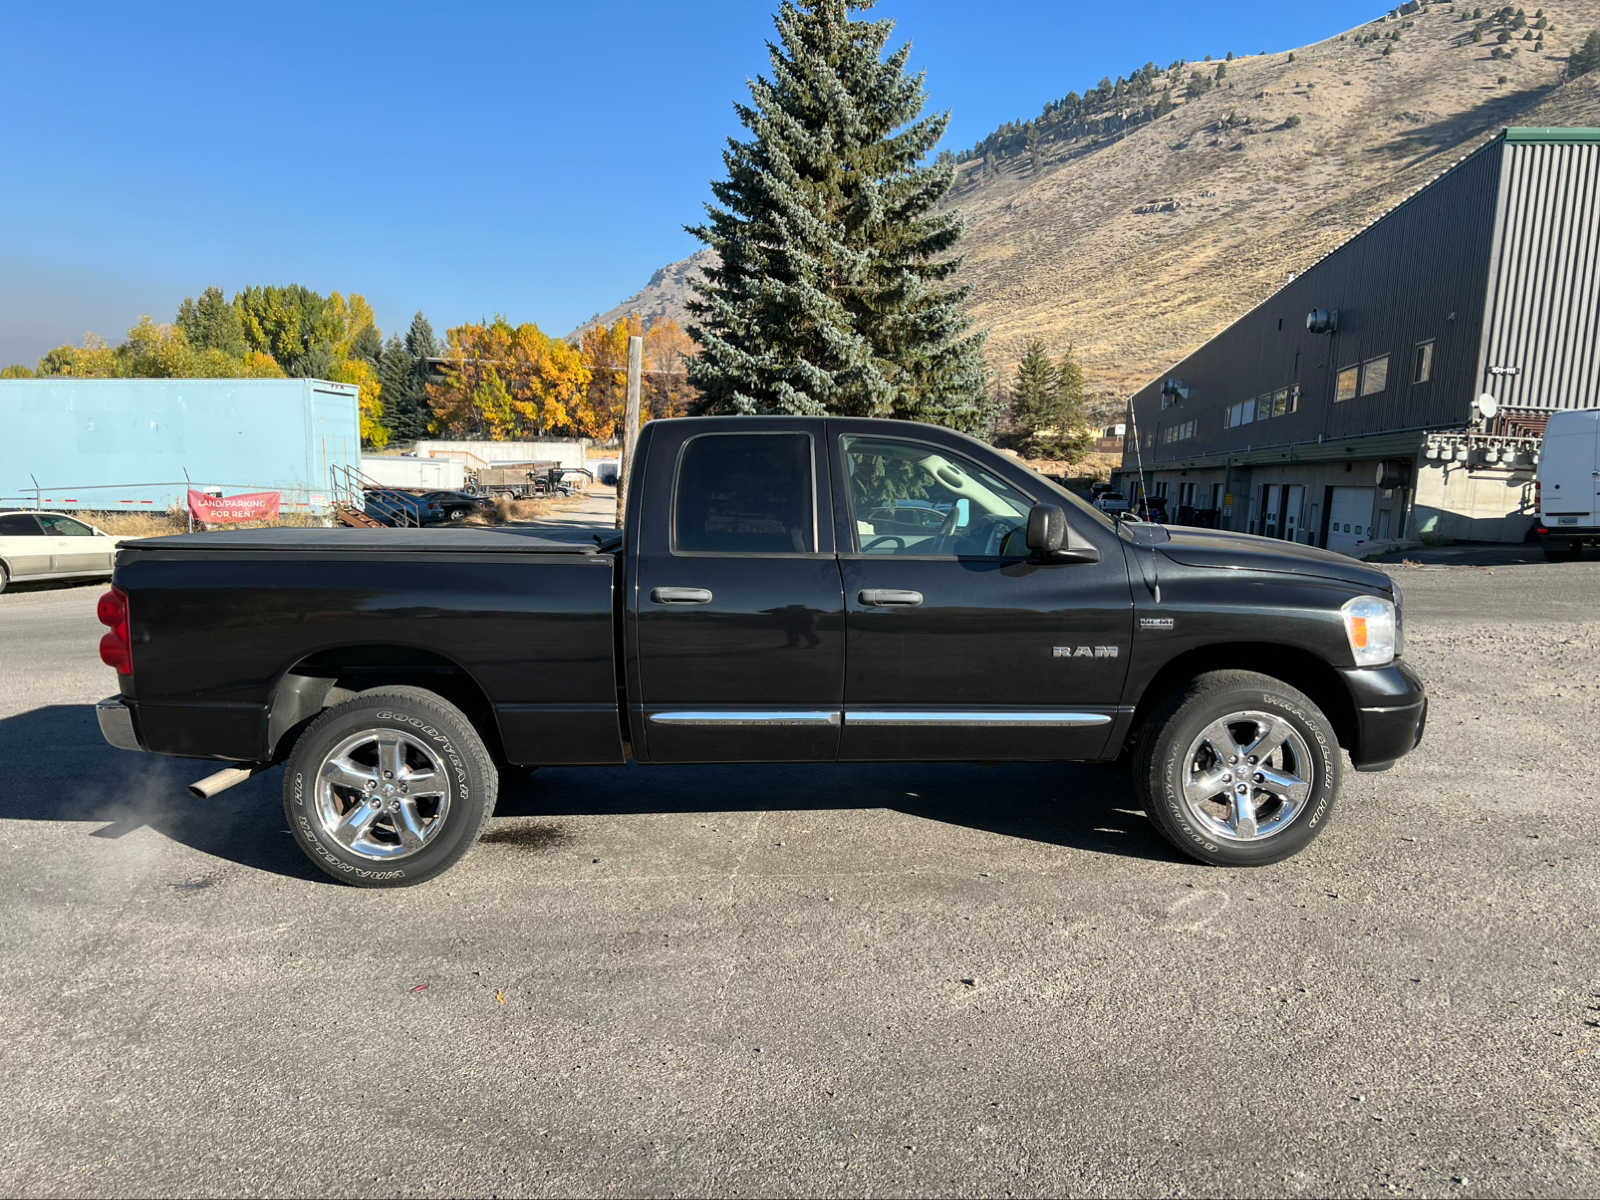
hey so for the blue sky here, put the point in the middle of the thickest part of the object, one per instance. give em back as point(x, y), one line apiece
point(532, 159)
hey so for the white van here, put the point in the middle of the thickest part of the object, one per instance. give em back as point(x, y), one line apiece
point(1569, 483)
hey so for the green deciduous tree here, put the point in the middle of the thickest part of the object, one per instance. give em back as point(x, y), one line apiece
point(211, 323)
point(833, 291)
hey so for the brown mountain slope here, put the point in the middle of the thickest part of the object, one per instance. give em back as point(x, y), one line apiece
point(1138, 248)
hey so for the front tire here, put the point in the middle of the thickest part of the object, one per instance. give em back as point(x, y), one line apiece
point(1238, 769)
point(390, 788)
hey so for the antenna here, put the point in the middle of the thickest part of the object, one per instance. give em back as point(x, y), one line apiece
point(1138, 451)
point(1138, 458)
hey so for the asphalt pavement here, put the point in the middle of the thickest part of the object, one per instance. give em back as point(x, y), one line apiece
point(931, 980)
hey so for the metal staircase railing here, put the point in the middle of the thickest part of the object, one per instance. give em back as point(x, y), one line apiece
point(364, 503)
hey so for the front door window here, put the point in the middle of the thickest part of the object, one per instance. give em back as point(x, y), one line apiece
point(916, 499)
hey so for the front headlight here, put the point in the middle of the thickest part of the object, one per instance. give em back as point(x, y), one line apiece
point(1373, 631)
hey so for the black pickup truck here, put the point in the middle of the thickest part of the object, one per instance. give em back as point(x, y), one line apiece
point(783, 590)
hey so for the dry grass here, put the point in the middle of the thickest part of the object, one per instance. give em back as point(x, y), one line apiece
point(1231, 209)
point(507, 511)
point(121, 523)
point(1092, 468)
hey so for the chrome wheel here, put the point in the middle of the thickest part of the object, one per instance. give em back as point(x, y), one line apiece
point(1247, 776)
point(382, 794)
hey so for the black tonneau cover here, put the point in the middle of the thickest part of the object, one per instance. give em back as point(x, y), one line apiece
point(431, 541)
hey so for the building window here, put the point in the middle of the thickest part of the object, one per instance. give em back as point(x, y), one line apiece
point(1349, 383)
point(1374, 375)
point(1422, 362)
point(1178, 433)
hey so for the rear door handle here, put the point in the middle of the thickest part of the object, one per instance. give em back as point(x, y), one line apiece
point(680, 595)
point(890, 597)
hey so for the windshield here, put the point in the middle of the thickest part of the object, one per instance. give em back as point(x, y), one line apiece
point(1078, 503)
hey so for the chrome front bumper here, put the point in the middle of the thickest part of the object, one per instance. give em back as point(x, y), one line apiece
point(116, 723)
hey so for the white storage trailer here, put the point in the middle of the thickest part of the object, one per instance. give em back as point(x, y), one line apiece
point(416, 474)
point(569, 452)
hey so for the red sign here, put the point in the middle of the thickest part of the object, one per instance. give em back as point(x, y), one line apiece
point(232, 510)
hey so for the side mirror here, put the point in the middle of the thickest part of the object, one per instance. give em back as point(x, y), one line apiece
point(1052, 538)
point(1047, 528)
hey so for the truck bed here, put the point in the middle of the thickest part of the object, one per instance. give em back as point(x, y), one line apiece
point(237, 635)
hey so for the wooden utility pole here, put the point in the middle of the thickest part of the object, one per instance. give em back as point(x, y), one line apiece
point(630, 423)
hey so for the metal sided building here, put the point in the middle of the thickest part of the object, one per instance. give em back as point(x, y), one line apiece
point(116, 444)
point(1400, 386)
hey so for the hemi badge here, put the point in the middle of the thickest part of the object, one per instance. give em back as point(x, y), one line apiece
point(1155, 623)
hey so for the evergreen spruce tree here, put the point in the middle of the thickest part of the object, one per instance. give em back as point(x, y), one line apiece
point(1033, 392)
point(1069, 437)
point(403, 399)
point(1049, 405)
point(421, 345)
point(833, 292)
point(420, 342)
point(1586, 57)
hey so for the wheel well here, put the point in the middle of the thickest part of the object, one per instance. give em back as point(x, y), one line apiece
point(330, 677)
point(1292, 665)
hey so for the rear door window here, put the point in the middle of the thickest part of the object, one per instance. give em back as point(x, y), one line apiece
point(19, 525)
point(58, 526)
point(745, 493)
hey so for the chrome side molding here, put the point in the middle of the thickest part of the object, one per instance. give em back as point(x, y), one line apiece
point(741, 717)
point(1034, 719)
point(923, 718)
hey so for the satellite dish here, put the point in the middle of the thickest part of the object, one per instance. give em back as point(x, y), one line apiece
point(1485, 406)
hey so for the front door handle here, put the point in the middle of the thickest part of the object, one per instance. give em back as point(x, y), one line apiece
point(890, 597)
point(680, 595)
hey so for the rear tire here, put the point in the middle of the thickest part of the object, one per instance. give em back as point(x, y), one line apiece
point(5, 577)
point(389, 789)
point(1194, 755)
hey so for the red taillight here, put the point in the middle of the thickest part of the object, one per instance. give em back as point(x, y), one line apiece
point(1538, 496)
point(116, 647)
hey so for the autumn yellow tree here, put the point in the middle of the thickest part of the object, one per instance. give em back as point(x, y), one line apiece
point(359, 371)
point(506, 382)
point(666, 387)
point(92, 359)
point(605, 353)
point(155, 351)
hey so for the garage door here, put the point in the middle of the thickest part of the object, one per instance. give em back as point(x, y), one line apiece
point(1350, 518)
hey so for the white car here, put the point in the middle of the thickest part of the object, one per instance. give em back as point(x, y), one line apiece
point(36, 546)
